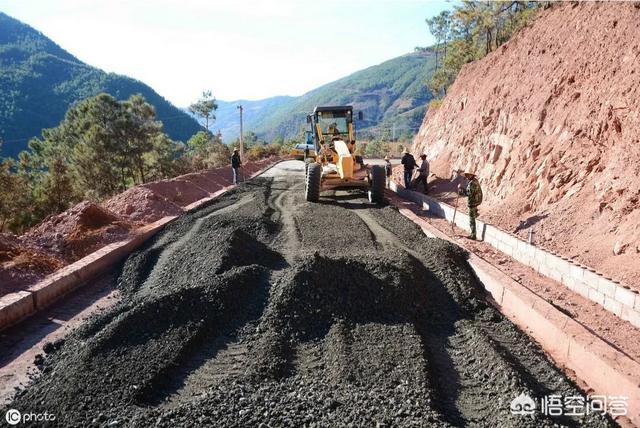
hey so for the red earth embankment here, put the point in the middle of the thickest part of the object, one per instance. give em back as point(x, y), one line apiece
point(551, 124)
point(77, 232)
point(20, 264)
point(66, 237)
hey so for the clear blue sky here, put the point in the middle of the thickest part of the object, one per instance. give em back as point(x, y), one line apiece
point(236, 48)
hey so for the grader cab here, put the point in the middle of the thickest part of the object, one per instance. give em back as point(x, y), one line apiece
point(334, 163)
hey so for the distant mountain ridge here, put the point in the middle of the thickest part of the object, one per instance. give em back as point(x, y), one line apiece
point(228, 116)
point(393, 96)
point(39, 81)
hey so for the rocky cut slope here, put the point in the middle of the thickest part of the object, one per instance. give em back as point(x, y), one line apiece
point(550, 122)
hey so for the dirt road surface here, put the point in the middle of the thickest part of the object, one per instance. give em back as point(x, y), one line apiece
point(263, 310)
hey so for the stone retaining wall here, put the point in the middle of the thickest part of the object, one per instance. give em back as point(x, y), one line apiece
point(611, 294)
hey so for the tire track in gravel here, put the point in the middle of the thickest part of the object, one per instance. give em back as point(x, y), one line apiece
point(460, 342)
point(467, 400)
point(459, 395)
point(287, 191)
point(225, 357)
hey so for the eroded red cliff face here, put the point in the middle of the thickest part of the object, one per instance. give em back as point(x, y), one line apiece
point(551, 123)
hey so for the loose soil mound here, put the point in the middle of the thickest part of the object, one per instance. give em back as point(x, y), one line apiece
point(21, 266)
point(78, 231)
point(550, 122)
point(66, 237)
point(208, 334)
point(141, 205)
point(221, 176)
point(178, 191)
point(201, 180)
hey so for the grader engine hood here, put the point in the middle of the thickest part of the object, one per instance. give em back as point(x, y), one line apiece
point(345, 160)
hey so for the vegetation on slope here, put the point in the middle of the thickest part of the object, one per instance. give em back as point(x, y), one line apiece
point(39, 81)
point(471, 31)
point(102, 147)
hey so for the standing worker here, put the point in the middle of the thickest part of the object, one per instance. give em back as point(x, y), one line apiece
point(236, 163)
point(388, 169)
point(423, 173)
point(409, 164)
point(473, 192)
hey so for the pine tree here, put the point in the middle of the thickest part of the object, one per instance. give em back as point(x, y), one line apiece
point(473, 30)
point(205, 108)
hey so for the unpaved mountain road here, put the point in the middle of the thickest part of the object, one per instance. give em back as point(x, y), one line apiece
point(263, 310)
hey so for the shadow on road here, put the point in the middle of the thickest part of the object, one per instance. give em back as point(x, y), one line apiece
point(352, 201)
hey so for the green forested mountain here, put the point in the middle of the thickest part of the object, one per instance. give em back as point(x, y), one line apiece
point(393, 92)
point(39, 81)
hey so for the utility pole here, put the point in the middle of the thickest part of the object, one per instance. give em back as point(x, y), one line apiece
point(241, 134)
point(393, 133)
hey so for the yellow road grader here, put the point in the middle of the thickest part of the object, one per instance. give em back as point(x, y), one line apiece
point(334, 163)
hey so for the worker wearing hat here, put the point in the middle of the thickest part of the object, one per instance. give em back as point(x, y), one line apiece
point(236, 163)
point(473, 192)
point(388, 169)
point(423, 173)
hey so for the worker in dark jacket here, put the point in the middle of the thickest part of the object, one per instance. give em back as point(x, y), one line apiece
point(409, 165)
point(473, 192)
point(236, 163)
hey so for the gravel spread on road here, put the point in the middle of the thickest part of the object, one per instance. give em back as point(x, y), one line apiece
point(261, 309)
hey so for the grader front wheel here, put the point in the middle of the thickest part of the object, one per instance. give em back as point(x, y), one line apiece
point(307, 162)
point(378, 183)
point(312, 188)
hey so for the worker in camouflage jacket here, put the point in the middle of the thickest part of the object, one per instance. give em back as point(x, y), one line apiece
point(473, 192)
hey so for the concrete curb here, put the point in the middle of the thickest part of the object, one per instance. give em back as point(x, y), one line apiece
point(14, 307)
point(603, 368)
point(612, 295)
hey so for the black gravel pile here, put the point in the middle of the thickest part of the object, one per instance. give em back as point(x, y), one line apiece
point(366, 323)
